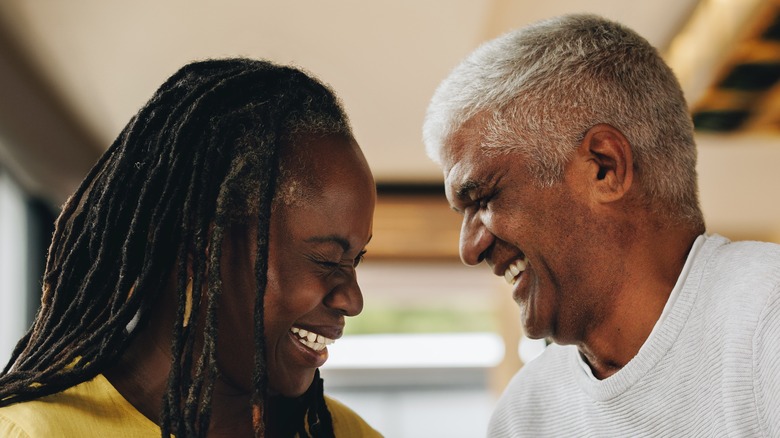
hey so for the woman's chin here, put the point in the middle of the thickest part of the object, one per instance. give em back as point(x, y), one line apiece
point(292, 388)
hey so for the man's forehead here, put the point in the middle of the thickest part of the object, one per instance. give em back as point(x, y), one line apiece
point(461, 145)
point(454, 161)
point(461, 171)
point(463, 156)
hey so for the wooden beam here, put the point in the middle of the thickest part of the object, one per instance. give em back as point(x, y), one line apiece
point(414, 227)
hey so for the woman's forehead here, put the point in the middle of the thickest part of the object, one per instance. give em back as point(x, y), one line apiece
point(314, 163)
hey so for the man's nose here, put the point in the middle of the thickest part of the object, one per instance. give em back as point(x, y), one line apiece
point(475, 239)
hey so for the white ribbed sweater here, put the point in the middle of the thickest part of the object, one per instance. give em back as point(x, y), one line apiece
point(711, 366)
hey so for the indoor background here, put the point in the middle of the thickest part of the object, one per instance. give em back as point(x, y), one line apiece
point(437, 341)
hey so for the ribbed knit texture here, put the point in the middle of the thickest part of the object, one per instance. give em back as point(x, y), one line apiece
point(711, 367)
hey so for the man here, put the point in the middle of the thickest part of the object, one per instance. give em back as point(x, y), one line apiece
point(568, 149)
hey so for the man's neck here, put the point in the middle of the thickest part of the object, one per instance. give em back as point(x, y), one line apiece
point(653, 271)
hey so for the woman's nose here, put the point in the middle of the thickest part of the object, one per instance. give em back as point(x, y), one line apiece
point(346, 298)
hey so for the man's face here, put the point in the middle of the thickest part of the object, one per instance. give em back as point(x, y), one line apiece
point(544, 241)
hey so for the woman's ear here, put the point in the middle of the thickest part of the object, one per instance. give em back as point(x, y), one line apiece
point(610, 162)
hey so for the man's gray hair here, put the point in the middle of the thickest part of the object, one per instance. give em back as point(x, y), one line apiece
point(541, 88)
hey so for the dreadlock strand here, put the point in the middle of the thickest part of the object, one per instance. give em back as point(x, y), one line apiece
point(208, 355)
point(260, 373)
point(173, 392)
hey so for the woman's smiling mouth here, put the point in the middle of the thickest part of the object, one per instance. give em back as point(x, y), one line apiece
point(312, 340)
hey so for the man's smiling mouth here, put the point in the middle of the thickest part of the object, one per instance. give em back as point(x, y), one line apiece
point(514, 270)
point(315, 341)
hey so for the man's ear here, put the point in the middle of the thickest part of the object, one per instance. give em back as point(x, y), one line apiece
point(609, 162)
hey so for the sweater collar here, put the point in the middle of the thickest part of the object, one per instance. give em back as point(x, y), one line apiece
point(666, 330)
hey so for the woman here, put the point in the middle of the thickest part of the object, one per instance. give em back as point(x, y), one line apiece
point(196, 277)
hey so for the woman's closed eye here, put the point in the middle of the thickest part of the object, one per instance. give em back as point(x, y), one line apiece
point(353, 263)
point(333, 265)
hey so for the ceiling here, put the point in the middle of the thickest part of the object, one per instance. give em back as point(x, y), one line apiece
point(73, 73)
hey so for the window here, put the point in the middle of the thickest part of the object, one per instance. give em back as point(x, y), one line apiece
point(14, 284)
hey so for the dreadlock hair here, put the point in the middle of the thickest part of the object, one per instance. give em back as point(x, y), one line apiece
point(202, 154)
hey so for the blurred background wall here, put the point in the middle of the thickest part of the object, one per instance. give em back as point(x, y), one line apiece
point(437, 341)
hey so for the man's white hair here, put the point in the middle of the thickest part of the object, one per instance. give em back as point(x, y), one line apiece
point(539, 89)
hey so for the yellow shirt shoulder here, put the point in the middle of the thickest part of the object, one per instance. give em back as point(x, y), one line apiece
point(92, 408)
point(96, 409)
point(346, 423)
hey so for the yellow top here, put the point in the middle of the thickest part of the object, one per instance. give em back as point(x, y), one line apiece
point(96, 409)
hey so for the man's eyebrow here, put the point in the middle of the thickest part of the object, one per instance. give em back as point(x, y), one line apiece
point(466, 188)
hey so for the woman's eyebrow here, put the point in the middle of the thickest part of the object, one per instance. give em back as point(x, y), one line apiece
point(344, 243)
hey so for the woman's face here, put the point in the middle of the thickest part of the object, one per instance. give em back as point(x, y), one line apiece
point(314, 247)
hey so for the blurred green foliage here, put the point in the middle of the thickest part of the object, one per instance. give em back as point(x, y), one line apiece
point(387, 319)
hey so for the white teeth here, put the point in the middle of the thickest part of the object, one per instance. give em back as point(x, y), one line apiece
point(511, 273)
point(301, 332)
point(508, 276)
point(312, 345)
point(312, 340)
